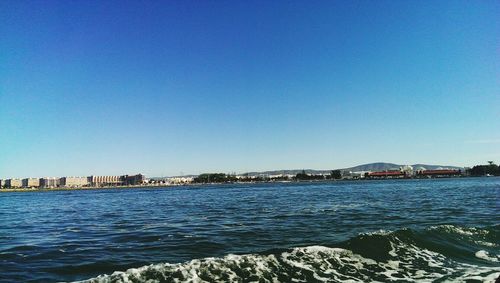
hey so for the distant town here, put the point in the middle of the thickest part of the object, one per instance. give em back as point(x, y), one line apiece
point(74, 182)
point(140, 180)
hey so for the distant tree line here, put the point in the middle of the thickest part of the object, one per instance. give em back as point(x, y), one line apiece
point(214, 178)
point(248, 178)
point(227, 178)
point(335, 174)
point(483, 170)
point(303, 176)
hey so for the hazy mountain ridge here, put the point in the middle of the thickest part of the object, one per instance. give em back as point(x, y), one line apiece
point(377, 166)
point(380, 166)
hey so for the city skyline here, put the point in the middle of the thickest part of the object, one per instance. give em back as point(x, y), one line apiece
point(179, 88)
point(182, 174)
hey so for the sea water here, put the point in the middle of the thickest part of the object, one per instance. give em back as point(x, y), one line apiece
point(444, 230)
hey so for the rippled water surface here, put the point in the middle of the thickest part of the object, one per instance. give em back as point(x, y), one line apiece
point(420, 230)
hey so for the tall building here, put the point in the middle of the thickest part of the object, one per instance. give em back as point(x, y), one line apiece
point(73, 181)
point(49, 182)
point(101, 181)
point(13, 183)
point(133, 180)
point(31, 183)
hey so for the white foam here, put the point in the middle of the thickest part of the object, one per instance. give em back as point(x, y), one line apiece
point(482, 254)
point(406, 262)
point(380, 232)
point(487, 244)
point(466, 231)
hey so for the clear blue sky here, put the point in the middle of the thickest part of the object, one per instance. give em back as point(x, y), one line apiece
point(166, 87)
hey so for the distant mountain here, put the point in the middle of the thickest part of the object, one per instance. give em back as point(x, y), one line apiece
point(433, 167)
point(377, 166)
point(381, 166)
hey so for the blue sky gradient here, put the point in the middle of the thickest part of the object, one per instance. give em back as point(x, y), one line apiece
point(185, 87)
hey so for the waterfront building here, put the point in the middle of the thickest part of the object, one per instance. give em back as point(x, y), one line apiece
point(133, 180)
point(73, 181)
point(179, 180)
point(31, 183)
point(389, 174)
point(49, 182)
point(349, 175)
point(407, 170)
point(13, 183)
point(439, 173)
point(101, 181)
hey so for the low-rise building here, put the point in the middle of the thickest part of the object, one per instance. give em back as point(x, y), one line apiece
point(179, 180)
point(31, 183)
point(389, 174)
point(349, 175)
point(13, 183)
point(440, 173)
point(74, 181)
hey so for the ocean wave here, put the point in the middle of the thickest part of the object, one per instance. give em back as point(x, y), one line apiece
point(382, 256)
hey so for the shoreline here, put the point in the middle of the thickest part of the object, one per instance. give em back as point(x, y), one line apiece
point(4, 190)
point(85, 188)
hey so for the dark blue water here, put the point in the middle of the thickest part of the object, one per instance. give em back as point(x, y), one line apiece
point(421, 230)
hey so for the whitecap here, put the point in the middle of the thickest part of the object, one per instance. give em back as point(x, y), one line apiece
point(487, 244)
point(466, 231)
point(482, 254)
